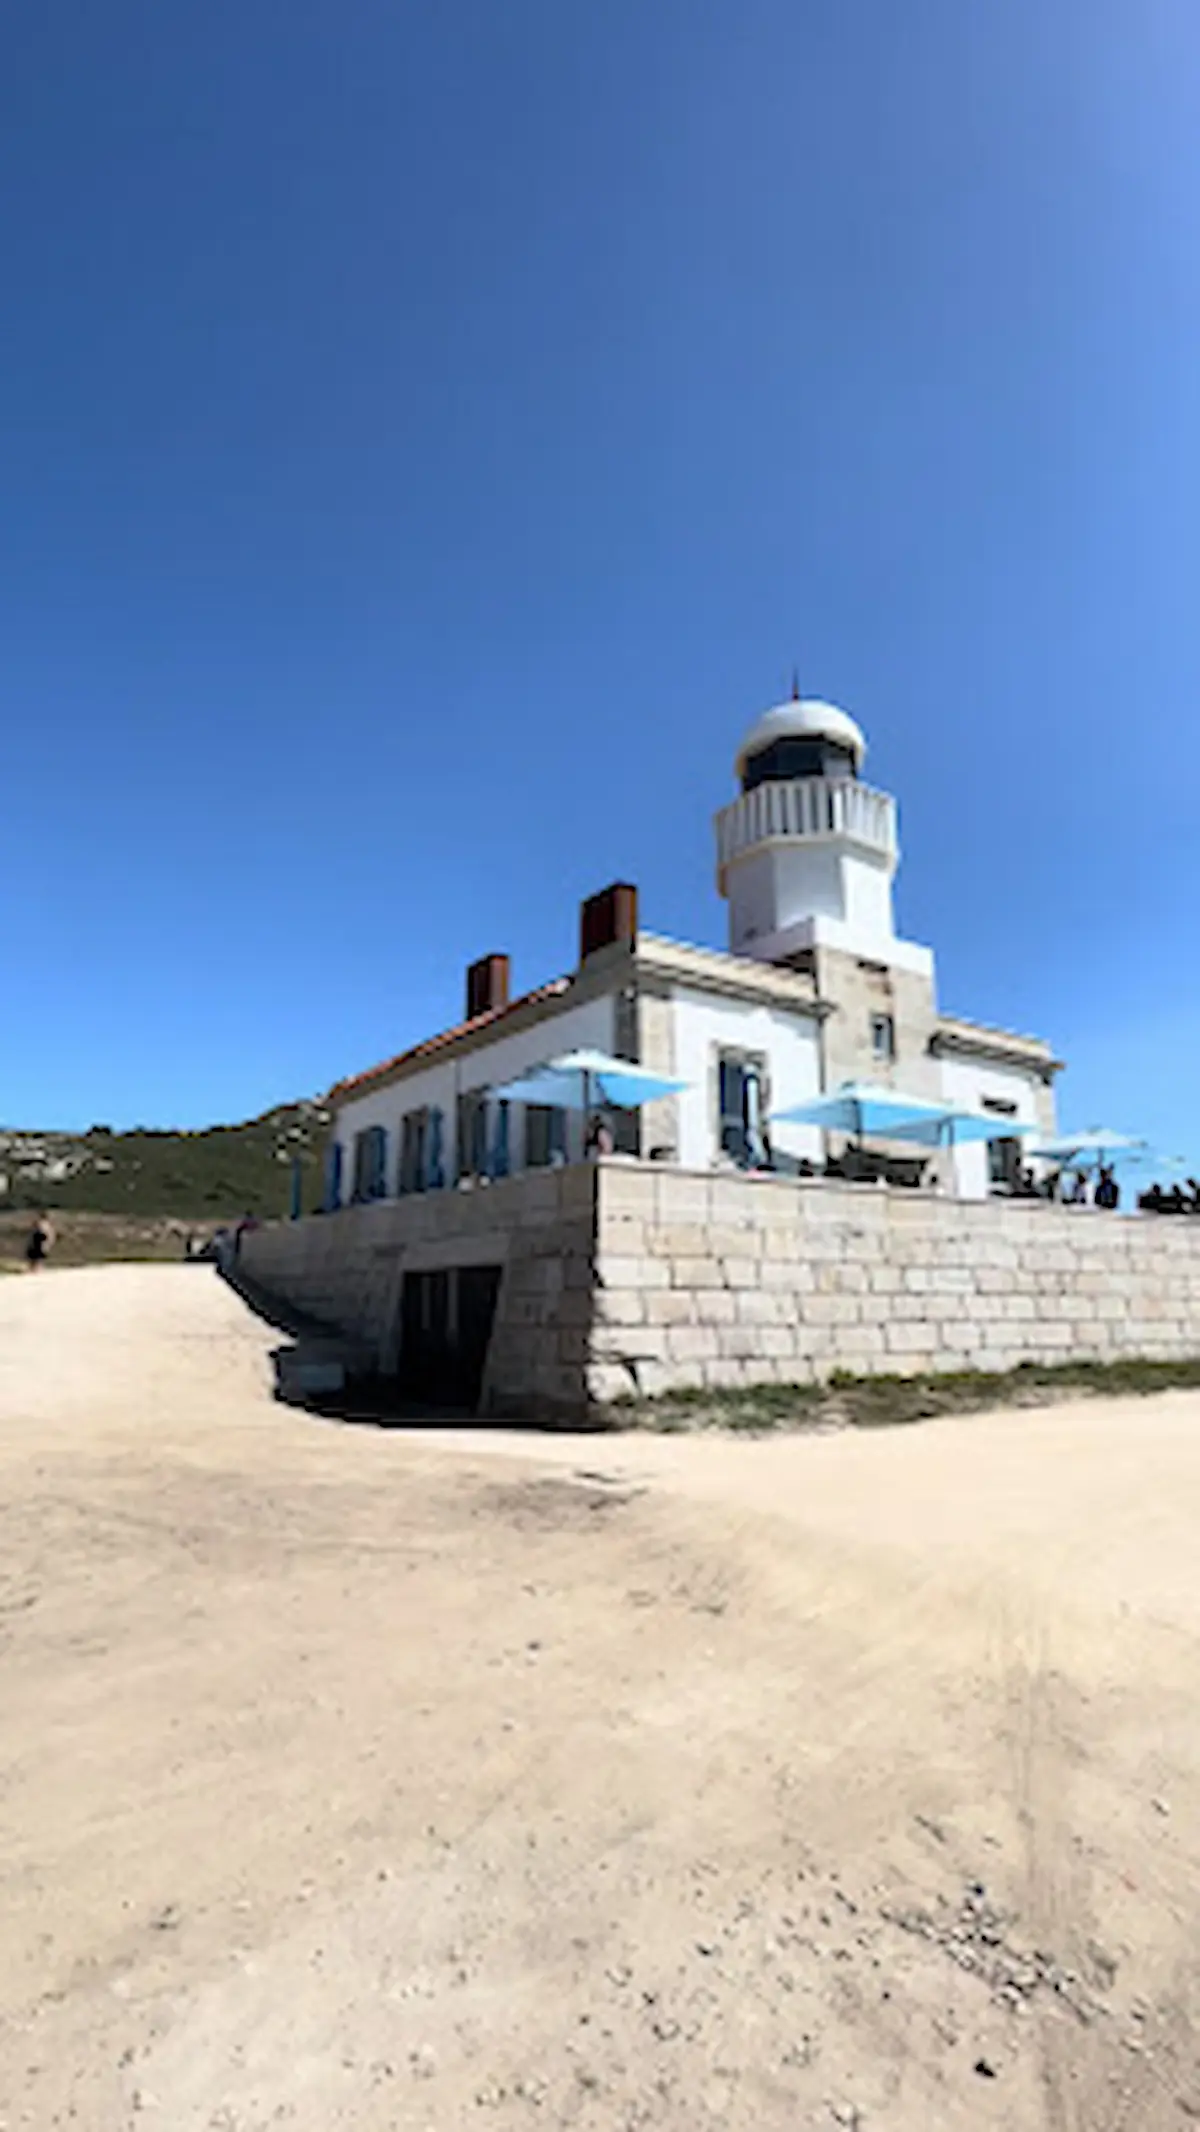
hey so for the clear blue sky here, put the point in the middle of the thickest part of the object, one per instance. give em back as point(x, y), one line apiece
point(432, 429)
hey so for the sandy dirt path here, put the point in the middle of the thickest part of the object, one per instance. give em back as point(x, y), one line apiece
point(370, 1779)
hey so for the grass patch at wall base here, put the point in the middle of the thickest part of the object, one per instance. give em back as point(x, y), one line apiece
point(845, 1401)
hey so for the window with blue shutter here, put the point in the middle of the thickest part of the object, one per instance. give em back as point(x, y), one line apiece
point(435, 1170)
point(500, 1154)
point(370, 1163)
point(414, 1156)
point(472, 1134)
point(378, 1184)
point(333, 1176)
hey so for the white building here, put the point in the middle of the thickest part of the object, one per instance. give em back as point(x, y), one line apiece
point(817, 988)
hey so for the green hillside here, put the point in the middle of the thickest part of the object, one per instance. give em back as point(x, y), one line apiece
point(206, 1176)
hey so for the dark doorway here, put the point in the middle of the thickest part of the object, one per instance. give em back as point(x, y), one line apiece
point(425, 1333)
point(446, 1323)
point(478, 1288)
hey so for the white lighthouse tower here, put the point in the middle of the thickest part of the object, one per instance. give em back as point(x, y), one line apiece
point(807, 854)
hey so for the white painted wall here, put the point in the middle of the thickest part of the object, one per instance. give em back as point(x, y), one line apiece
point(783, 883)
point(705, 1024)
point(590, 1025)
point(967, 1082)
point(867, 889)
point(778, 883)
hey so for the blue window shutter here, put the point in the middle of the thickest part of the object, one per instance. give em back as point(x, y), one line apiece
point(333, 1176)
point(755, 1147)
point(379, 1163)
point(435, 1176)
point(500, 1141)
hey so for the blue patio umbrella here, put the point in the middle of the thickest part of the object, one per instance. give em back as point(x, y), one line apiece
point(862, 1110)
point(954, 1128)
point(585, 1080)
point(1099, 1144)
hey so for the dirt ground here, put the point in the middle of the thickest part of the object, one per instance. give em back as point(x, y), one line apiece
point(368, 1779)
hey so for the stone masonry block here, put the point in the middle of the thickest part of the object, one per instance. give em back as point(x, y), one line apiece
point(741, 1272)
point(696, 1273)
point(760, 1306)
point(628, 1191)
point(1052, 1335)
point(858, 1343)
point(618, 1306)
point(732, 1199)
point(725, 1371)
point(641, 1273)
point(679, 1240)
point(725, 1240)
point(841, 1280)
point(884, 1280)
point(951, 1280)
point(679, 1199)
point(988, 1308)
point(959, 1335)
point(670, 1306)
point(652, 1379)
point(623, 1238)
point(777, 1341)
point(992, 1280)
point(739, 1340)
point(617, 1343)
point(788, 1277)
point(715, 1306)
point(605, 1382)
point(907, 1339)
point(832, 1310)
point(692, 1343)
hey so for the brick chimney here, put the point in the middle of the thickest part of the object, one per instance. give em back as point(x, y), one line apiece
point(608, 918)
point(487, 985)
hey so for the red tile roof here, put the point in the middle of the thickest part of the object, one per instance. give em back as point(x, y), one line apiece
point(356, 1082)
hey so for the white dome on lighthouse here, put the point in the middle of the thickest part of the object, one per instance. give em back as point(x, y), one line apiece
point(804, 718)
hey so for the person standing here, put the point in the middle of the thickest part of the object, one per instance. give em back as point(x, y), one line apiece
point(599, 1138)
point(1108, 1191)
point(39, 1243)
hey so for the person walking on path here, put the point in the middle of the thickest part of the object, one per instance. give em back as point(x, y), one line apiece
point(39, 1243)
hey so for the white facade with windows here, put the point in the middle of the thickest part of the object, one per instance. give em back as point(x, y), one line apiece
point(817, 988)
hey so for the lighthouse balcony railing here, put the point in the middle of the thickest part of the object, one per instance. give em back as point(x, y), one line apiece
point(811, 807)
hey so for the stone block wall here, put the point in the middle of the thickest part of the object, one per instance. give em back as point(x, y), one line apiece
point(626, 1277)
point(725, 1280)
point(345, 1271)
